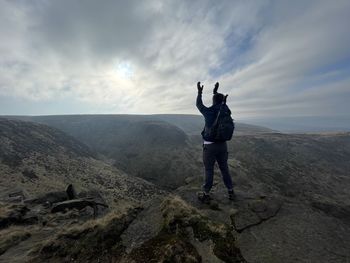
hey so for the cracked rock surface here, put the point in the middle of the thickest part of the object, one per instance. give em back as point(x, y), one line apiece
point(252, 213)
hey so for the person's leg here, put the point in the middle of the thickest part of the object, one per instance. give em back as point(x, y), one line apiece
point(209, 161)
point(222, 157)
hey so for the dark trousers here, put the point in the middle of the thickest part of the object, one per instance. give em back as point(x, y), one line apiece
point(211, 153)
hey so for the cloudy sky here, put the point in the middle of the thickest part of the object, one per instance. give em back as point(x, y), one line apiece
point(273, 58)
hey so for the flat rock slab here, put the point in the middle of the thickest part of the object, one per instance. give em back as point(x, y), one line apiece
point(254, 212)
point(146, 226)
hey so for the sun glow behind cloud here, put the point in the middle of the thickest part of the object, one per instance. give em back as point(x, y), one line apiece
point(125, 70)
point(272, 57)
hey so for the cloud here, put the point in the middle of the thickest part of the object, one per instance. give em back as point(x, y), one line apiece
point(289, 57)
point(272, 57)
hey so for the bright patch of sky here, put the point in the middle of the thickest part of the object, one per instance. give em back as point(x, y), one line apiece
point(125, 70)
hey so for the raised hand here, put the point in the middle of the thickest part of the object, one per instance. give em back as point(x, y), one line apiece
point(199, 87)
point(216, 87)
point(225, 98)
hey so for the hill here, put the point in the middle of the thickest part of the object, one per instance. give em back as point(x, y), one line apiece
point(40, 158)
point(125, 140)
point(305, 124)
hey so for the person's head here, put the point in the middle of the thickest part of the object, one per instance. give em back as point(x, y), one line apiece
point(218, 98)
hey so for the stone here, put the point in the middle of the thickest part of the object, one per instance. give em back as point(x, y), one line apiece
point(71, 193)
point(76, 204)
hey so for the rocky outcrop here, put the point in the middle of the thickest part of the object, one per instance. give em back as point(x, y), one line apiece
point(185, 231)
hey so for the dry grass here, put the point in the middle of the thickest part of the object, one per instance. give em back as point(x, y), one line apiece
point(93, 239)
point(176, 209)
point(4, 210)
point(11, 214)
point(11, 237)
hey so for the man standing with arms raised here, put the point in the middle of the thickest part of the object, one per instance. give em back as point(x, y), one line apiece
point(218, 129)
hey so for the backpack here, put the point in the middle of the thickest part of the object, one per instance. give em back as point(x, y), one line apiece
point(223, 126)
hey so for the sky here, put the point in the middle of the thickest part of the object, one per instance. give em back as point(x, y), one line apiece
point(273, 58)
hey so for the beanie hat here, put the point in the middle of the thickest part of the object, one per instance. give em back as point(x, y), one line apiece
point(218, 98)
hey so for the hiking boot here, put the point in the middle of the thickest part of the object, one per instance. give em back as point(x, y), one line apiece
point(231, 195)
point(204, 197)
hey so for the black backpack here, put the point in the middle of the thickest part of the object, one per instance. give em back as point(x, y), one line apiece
point(223, 126)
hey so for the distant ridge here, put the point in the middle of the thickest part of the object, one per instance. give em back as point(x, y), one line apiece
point(190, 123)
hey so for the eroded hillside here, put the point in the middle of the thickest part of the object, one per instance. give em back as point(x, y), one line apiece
point(39, 159)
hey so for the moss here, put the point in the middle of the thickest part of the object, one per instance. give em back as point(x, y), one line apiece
point(166, 247)
point(226, 250)
point(179, 216)
point(224, 242)
point(201, 230)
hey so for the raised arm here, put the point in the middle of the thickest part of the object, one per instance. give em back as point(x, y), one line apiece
point(199, 102)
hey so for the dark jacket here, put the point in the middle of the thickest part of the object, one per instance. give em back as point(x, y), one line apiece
point(209, 114)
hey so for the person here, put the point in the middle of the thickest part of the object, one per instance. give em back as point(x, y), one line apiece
point(213, 151)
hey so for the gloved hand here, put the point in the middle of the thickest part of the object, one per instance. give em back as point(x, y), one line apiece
point(216, 87)
point(199, 87)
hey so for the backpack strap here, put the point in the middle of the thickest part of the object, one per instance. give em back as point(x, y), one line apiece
point(218, 115)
